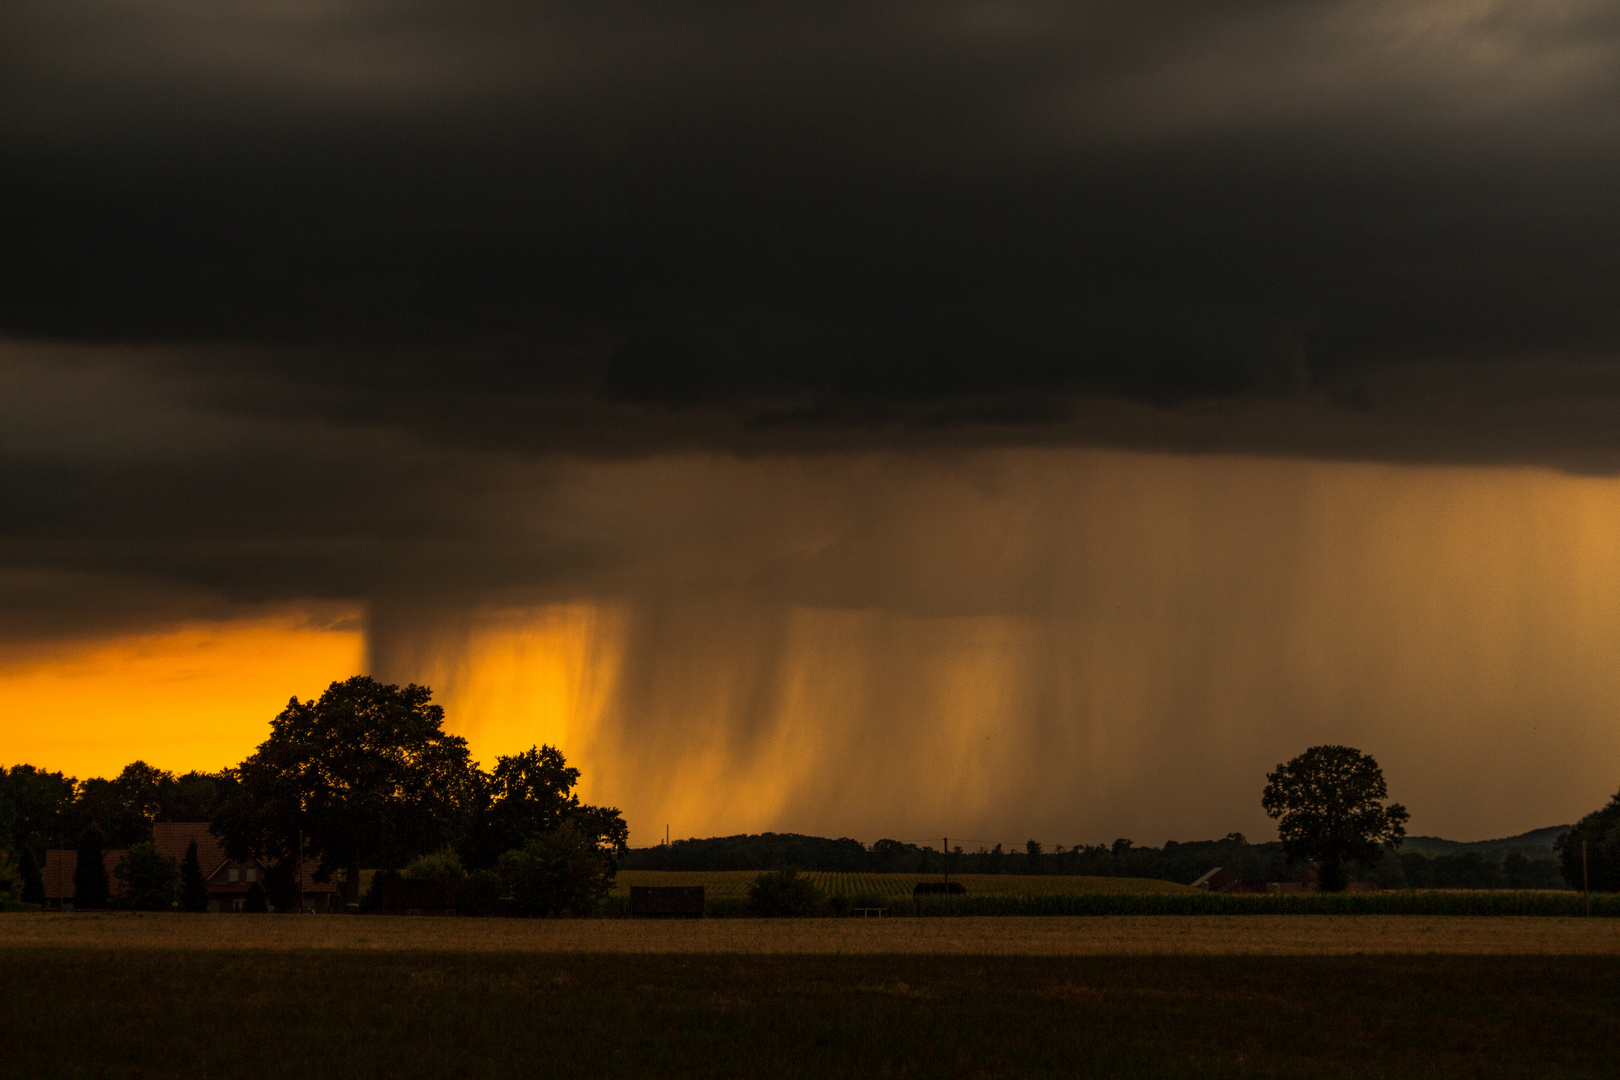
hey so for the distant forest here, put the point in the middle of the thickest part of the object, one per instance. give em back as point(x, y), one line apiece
point(1526, 862)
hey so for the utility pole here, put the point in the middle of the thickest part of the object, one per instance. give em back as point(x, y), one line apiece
point(300, 871)
point(1586, 884)
point(947, 875)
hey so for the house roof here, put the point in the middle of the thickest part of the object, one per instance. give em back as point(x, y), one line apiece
point(173, 837)
point(170, 838)
point(1217, 877)
point(61, 864)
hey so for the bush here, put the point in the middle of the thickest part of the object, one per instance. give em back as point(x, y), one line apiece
point(151, 879)
point(560, 873)
point(436, 866)
point(783, 892)
point(480, 893)
point(256, 902)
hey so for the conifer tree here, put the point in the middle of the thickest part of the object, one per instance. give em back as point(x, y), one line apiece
point(90, 874)
point(33, 880)
point(193, 889)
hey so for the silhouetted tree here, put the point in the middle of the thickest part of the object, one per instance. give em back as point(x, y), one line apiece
point(1600, 830)
point(123, 807)
point(1329, 806)
point(196, 796)
point(40, 809)
point(193, 889)
point(531, 794)
point(11, 882)
point(367, 772)
point(33, 882)
point(90, 885)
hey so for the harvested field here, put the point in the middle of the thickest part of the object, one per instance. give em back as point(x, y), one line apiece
point(1279, 935)
point(733, 884)
point(108, 1013)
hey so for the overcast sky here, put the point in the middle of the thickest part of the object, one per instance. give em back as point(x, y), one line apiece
point(320, 300)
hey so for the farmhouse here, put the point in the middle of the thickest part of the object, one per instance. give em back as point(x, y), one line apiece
point(228, 880)
point(60, 867)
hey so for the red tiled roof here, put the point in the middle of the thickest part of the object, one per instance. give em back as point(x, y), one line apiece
point(173, 837)
point(61, 864)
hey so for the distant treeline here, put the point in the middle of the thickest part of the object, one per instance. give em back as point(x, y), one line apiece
point(1180, 862)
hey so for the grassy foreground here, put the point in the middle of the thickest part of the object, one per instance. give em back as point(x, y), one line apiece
point(312, 1015)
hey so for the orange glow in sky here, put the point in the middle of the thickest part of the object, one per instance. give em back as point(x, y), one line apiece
point(200, 696)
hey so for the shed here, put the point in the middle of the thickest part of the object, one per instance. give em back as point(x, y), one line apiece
point(666, 901)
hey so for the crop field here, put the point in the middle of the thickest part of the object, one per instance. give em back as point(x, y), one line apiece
point(129, 996)
point(312, 1015)
point(733, 884)
point(1296, 935)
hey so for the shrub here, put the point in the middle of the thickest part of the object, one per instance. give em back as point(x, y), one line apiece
point(436, 866)
point(256, 903)
point(562, 872)
point(783, 892)
point(151, 879)
point(480, 893)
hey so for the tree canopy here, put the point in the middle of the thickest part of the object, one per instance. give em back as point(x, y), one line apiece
point(366, 772)
point(1329, 806)
point(1600, 831)
point(531, 794)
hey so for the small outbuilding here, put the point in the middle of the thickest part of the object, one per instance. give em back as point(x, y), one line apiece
point(666, 901)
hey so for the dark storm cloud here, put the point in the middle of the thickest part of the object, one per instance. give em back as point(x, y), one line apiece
point(296, 294)
point(839, 214)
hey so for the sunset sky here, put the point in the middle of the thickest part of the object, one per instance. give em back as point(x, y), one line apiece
point(895, 418)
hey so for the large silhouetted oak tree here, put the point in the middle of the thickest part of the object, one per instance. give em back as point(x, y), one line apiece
point(367, 773)
point(1330, 810)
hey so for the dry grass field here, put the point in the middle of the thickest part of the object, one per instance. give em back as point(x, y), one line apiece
point(733, 884)
point(1274, 935)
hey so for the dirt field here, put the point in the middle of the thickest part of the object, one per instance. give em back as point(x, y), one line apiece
point(728, 884)
point(1284, 935)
